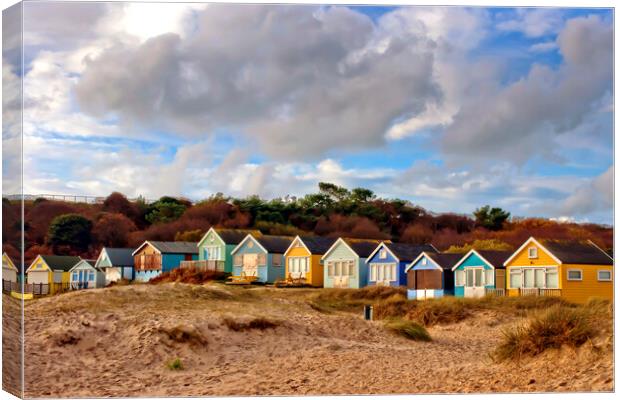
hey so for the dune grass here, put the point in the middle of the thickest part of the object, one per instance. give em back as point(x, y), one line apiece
point(353, 299)
point(259, 323)
point(175, 365)
point(554, 328)
point(448, 310)
point(187, 275)
point(408, 329)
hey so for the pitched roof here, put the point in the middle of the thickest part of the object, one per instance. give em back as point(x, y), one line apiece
point(273, 243)
point(445, 260)
point(176, 247)
point(362, 247)
point(495, 257)
point(318, 244)
point(64, 263)
point(91, 263)
point(120, 257)
point(409, 252)
point(9, 262)
point(577, 252)
point(235, 236)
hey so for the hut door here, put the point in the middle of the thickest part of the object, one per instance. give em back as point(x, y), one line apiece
point(250, 264)
point(474, 282)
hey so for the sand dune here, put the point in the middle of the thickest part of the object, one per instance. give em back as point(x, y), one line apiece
point(117, 341)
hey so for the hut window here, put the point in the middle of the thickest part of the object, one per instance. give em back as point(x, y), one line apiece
point(488, 279)
point(552, 278)
point(213, 253)
point(75, 276)
point(604, 275)
point(262, 258)
point(238, 259)
point(424, 261)
point(373, 272)
point(91, 276)
point(574, 275)
point(298, 265)
point(277, 260)
point(460, 277)
point(515, 278)
point(383, 253)
point(532, 252)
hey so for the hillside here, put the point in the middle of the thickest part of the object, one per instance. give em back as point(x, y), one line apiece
point(123, 341)
point(82, 229)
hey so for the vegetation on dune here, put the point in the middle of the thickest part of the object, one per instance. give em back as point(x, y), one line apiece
point(184, 334)
point(327, 300)
point(332, 211)
point(554, 328)
point(175, 365)
point(408, 329)
point(187, 275)
point(259, 323)
point(447, 310)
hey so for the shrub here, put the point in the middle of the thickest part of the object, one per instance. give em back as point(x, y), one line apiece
point(187, 275)
point(353, 299)
point(429, 312)
point(480, 244)
point(189, 236)
point(259, 323)
point(184, 334)
point(175, 365)
point(551, 329)
point(408, 329)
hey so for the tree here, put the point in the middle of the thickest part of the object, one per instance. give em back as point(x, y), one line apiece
point(417, 234)
point(164, 210)
point(491, 218)
point(335, 192)
point(37, 219)
point(71, 230)
point(117, 203)
point(113, 230)
point(361, 195)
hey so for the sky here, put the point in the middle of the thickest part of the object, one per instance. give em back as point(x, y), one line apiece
point(451, 108)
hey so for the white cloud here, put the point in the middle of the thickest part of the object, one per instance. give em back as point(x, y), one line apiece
point(533, 22)
point(518, 122)
point(596, 194)
point(543, 47)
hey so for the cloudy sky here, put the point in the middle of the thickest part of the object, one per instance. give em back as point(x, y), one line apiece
point(451, 108)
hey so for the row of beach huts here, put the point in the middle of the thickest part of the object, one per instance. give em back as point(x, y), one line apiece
point(575, 270)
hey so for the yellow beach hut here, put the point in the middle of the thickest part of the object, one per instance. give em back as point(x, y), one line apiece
point(303, 259)
point(50, 273)
point(573, 270)
point(9, 270)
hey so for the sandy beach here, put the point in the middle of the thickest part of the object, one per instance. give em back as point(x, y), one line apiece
point(117, 342)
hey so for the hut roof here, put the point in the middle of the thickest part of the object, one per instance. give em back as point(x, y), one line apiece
point(120, 256)
point(176, 247)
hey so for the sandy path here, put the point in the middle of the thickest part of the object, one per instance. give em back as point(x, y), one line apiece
point(113, 343)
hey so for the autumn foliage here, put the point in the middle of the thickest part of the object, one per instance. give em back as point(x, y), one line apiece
point(333, 211)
